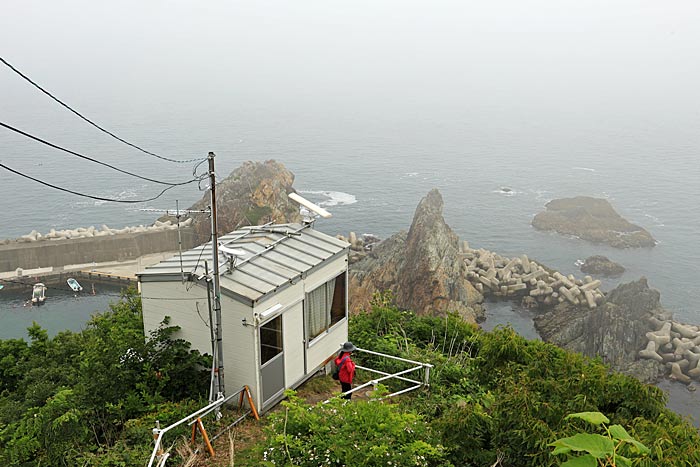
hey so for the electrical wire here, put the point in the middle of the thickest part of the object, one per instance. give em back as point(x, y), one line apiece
point(6, 63)
point(55, 146)
point(99, 198)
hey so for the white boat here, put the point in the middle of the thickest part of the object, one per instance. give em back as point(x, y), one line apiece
point(38, 293)
point(74, 285)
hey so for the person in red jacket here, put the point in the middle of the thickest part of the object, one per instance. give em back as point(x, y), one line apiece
point(347, 368)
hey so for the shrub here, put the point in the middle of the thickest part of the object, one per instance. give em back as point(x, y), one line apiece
point(349, 433)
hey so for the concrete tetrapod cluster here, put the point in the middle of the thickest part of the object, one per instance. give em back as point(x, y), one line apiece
point(91, 231)
point(360, 246)
point(501, 276)
point(677, 346)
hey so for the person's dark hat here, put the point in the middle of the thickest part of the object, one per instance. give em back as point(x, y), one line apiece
point(349, 347)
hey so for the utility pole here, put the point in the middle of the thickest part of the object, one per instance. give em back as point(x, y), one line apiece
point(217, 286)
point(214, 364)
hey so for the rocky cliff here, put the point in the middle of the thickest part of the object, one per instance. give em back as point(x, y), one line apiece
point(615, 330)
point(601, 265)
point(422, 268)
point(253, 194)
point(592, 219)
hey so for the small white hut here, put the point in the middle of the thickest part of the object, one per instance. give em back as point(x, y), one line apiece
point(284, 305)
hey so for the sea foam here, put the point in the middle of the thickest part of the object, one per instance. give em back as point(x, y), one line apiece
point(332, 198)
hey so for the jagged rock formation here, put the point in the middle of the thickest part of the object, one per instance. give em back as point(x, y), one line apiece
point(615, 330)
point(602, 266)
point(253, 194)
point(422, 268)
point(592, 219)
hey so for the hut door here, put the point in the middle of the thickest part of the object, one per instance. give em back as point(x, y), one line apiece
point(271, 359)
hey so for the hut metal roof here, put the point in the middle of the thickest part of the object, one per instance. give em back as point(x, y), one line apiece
point(275, 256)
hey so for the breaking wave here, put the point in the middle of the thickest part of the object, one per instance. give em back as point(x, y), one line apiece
point(331, 198)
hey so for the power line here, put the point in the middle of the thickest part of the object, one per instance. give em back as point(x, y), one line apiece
point(55, 146)
point(28, 79)
point(99, 198)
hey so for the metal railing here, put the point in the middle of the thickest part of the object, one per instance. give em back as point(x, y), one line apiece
point(416, 384)
point(193, 418)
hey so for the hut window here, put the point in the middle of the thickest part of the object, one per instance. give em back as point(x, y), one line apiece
point(270, 340)
point(325, 306)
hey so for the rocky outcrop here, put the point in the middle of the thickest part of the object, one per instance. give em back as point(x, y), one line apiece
point(616, 330)
point(421, 267)
point(602, 266)
point(592, 219)
point(254, 193)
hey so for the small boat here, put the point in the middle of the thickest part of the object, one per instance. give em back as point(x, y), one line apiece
point(2, 286)
point(38, 293)
point(74, 285)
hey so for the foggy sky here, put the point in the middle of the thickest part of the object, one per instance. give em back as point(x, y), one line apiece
point(598, 57)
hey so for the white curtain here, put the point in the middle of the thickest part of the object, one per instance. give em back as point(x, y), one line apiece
point(318, 308)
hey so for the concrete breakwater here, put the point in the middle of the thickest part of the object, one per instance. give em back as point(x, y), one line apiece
point(83, 248)
point(675, 345)
point(89, 232)
point(509, 277)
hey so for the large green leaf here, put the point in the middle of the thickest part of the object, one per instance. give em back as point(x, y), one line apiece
point(560, 450)
point(619, 432)
point(598, 446)
point(596, 418)
point(582, 461)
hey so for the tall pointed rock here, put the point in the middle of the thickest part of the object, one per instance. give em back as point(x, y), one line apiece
point(423, 268)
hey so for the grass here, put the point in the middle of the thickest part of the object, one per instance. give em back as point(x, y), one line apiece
point(239, 446)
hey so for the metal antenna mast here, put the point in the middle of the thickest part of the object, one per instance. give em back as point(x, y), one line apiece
point(177, 213)
point(217, 285)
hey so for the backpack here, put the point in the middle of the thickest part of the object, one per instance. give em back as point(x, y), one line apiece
point(336, 372)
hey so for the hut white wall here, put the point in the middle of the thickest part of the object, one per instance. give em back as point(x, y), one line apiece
point(240, 364)
point(241, 360)
point(182, 310)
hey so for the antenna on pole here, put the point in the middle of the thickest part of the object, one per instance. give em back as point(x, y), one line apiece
point(177, 213)
point(310, 211)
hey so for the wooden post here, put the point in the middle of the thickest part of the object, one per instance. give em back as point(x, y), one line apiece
point(198, 425)
point(250, 401)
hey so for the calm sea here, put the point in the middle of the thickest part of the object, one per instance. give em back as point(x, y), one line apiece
point(372, 174)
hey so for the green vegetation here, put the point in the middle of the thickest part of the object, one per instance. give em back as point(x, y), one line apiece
point(604, 450)
point(256, 213)
point(362, 434)
point(495, 399)
point(91, 398)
